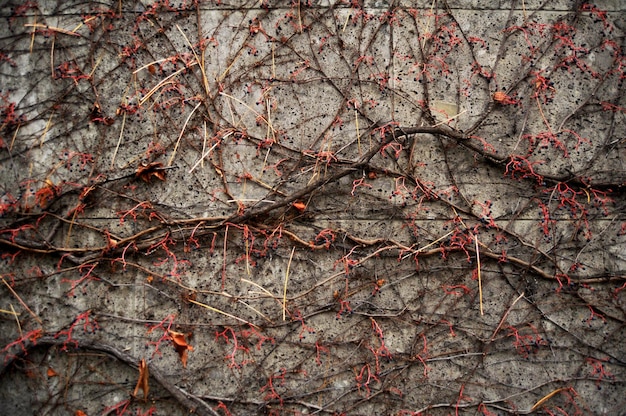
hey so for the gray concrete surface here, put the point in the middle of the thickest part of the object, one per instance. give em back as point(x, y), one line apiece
point(340, 207)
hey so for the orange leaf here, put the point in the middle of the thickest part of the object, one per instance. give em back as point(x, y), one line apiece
point(46, 194)
point(80, 413)
point(142, 383)
point(146, 171)
point(299, 205)
point(500, 96)
point(180, 345)
point(51, 372)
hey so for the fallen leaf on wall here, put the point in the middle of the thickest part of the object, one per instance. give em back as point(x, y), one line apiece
point(299, 205)
point(146, 171)
point(180, 345)
point(142, 383)
point(97, 116)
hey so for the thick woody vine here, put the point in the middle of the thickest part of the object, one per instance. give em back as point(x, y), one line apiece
point(338, 209)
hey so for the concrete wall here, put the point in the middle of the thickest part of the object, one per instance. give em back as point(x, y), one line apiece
point(312, 207)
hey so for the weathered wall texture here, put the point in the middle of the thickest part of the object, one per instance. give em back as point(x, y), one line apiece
point(329, 207)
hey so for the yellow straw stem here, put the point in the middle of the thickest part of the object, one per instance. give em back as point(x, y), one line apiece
point(169, 163)
point(22, 302)
point(480, 284)
point(285, 285)
point(546, 398)
point(211, 308)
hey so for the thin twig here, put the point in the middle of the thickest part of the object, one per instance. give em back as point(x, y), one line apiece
point(205, 81)
point(546, 398)
point(480, 283)
point(211, 308)
point(119, 140)
point(52, 28)
point(163, 82)
point(21, 301)
point(293, 249)
point(169, 163)
point(493, 336)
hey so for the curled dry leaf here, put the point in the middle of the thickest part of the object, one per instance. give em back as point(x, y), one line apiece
point(97, 116)
point(142, 383)
point(500, 96)
point(180, 345)
point(51, 372)
point(146, 171)
point(504, 99)
point(299, 205)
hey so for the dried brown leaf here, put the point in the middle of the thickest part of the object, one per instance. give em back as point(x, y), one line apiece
point(142, 382)
point(146, 171)
point(180, 345)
